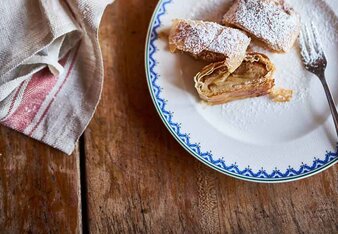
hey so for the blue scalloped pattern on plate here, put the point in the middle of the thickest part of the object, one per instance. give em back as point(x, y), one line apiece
point(195, 148)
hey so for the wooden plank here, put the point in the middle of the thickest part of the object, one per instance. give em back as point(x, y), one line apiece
point(39, 187)
point(141, 181)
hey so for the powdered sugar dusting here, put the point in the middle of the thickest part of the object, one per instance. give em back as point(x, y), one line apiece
point(269, 20)
point(197, 37)
point(193, 36)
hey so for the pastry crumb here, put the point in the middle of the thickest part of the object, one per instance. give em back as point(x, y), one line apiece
point(280, 95)
point(163, 35)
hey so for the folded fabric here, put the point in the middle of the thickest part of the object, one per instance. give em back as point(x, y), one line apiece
point(51, 69)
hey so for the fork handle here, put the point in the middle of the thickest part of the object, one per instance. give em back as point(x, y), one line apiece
point(331, 102)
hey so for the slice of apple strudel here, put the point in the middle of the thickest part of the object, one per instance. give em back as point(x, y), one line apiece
point(216, 84)
point(272, 21)
point(209, 41)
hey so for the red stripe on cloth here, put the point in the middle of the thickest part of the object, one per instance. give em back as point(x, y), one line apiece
point(57, 92)
point(34, 95)
point(13, 101)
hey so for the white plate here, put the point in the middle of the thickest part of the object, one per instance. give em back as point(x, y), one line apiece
point(253, 139)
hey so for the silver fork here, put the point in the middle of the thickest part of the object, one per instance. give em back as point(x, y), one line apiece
point(315, 62)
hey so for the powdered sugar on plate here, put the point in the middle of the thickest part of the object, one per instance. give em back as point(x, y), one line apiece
point(290, 73)
point(210, 10)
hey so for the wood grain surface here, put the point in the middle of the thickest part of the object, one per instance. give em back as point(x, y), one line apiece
point(39, 187)
point(136, 178)
point(140, 180)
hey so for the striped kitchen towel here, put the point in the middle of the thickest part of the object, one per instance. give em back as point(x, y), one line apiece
point(51, 69)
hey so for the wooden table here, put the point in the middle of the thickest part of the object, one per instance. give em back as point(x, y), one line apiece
point(128, 174)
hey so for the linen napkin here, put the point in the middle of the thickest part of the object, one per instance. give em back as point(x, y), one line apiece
point(51, 69)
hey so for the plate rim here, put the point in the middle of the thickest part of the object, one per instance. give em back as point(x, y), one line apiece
point(159, 11)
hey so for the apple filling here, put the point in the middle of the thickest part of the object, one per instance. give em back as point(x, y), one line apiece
point(253, 78)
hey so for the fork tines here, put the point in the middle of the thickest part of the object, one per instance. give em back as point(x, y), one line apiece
point(311, 49)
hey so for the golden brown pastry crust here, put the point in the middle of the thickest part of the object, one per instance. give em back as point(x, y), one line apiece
point(272, 21)
point(209, 41)
point(215, 84)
